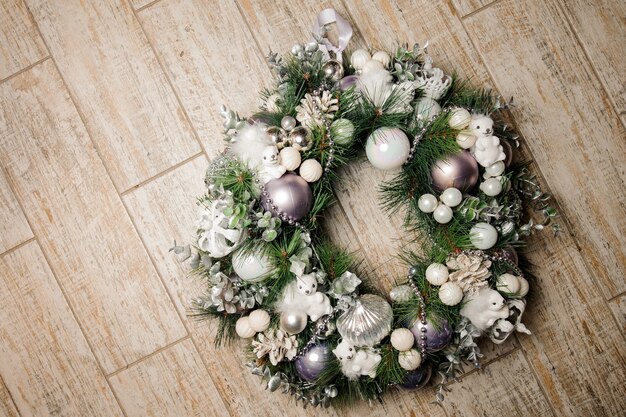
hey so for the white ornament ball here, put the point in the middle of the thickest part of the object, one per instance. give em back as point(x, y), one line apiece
point(508, 283)
point(442, 214)
point(253, 267)
point(402, 339)
point(425, 108)
point(465, 139)
point(382, 57)
point(451, 197)
point(523, 287)
point(437, 274)
point(342, 131)
point(427, 203)
point(496, 169)
point(450, 293)
point(372, 66)
point(459, 119)
point(387, 148)
point(259, 320)
point(243, 329)
point(311, 170)
point(290, 158)
point(410, 360)
point(359, 58)
point(491, 186)
point(483, 236)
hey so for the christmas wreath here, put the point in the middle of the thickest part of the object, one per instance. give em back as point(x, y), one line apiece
point(317, 330)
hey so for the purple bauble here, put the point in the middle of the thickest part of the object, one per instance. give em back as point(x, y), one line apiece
point(310, 365)
point(437, 331)
point(347, 82)
point(290, 194)
point(417, 378)
point(508, 151)
point(510, 254)
point(459, 171)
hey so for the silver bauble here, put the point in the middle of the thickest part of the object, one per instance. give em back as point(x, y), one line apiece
point(300, 138)
point(288, 123)
point(333, 70)
point(293, 322)
point(457, 171)
point(367, 322)
point(277, 136)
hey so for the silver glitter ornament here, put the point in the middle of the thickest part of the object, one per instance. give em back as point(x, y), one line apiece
point(293, 323)
point(401, 294)
point(333, 70)
point(299, 138)
point(367, 322)
point(277, 136)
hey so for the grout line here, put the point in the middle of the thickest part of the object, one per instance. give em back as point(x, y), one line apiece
point(26, 68)
point(18, 246)
point(161, 174)
point(478, 10)
point(148, 356)
point(169, 80)
point(583, 48)
point(252, 33)
point(615, 297)
point(145, 6)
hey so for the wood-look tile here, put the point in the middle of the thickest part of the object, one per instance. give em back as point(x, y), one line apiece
point(45, 360)
point(127, 104)
point(81, 222)
point(14, 228)
point(20, 43)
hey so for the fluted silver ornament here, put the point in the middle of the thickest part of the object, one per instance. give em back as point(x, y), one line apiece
point(367, 322)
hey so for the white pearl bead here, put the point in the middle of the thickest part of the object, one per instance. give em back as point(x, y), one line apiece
point(387, 148)
point(523, 287)
point(427, 203)
point(243, 329)
point(483, 236)
point(450, 293)
point(459, 119)
point(311, 170)
point(491, 186)
point(442, 214)
point(359, 58)
point(251, 267)
point(402, 339)
point(437, 274)
point(465, 139)
point(259, 320)
point(496, 169)
point(508, 283)
point(451, 197)
point(290, 158)
point(410, 360)
point(382, 57)
point(371, 66)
